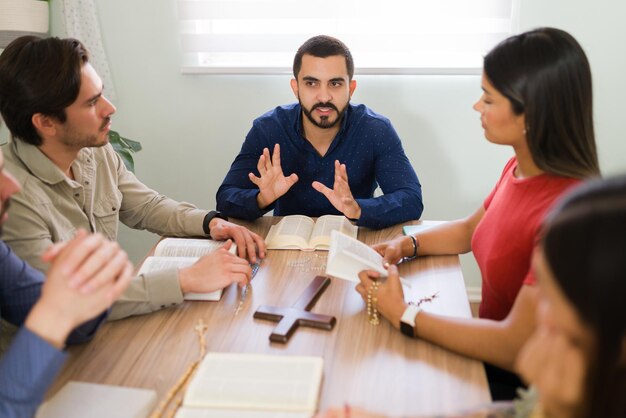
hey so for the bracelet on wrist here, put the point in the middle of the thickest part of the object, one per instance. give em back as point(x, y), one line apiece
point(415, 247)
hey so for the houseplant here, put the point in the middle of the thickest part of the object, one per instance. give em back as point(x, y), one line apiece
point(125, 148)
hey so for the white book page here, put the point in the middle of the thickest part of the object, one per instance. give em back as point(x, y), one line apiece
point(82, 399)
point(154, 263)
point(162, 263)
point(291, 232)
point(256, 382)
point(186, 247)
point(236, 413)
point(320, 237)
point(348, 256)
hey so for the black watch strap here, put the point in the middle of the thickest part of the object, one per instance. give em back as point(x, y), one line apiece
point(209, 217)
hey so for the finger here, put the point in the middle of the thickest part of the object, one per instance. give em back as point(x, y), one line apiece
point(52, 251)
point(366, 276)
point(77, 251)
point(122, 282)
point(227, 244)
point(380, 248)
point(112, 267)
point(292, 179)
point(322, 189)
point(389, 256)
point(260, 244)
point(267, 159)
point(254, 179)
point(392, 273)
point(337, 169)
point(250, 247)
point(276, 156)
point(242, 272)
point(241, 278)
point(343, 172)
point(244, 243)
point(238, 236)
point(261, 164)
point(360, 289)
point(99, 258)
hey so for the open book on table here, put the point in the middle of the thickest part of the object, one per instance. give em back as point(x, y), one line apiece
point(237, 385)
point(348, 256)
point(301, 232)
point(181, 253)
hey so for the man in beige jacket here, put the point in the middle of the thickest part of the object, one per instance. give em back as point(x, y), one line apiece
point(51, 100)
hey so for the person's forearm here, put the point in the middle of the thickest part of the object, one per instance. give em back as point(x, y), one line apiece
point(496, 342)
point(454, 237)
point(480, 339)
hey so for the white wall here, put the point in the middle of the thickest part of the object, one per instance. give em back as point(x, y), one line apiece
point(192, 126)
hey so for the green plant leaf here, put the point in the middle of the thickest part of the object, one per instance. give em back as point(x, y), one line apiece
point(125, 148)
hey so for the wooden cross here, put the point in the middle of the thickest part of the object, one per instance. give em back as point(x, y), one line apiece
point(290, 318)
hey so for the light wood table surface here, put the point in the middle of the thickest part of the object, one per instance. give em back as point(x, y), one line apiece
point(374, 367)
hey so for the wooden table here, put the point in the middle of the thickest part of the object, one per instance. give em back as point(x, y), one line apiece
point(374, 367)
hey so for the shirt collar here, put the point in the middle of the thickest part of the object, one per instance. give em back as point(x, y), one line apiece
point(39, 164)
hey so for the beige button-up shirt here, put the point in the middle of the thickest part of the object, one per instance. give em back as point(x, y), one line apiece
point(51, 207)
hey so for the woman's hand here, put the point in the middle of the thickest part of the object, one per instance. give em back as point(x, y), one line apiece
point(394, 250)
point(390, 296)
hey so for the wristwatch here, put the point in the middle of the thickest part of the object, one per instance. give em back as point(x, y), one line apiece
point(407, 322)
point(209, 217)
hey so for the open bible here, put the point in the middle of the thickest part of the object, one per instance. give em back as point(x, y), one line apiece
point(181, 253)
point(242, 385)
point(348, 256)
point(301, 232)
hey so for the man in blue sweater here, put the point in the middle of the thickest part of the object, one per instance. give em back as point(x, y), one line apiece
point(86, 275)
point(335, 153)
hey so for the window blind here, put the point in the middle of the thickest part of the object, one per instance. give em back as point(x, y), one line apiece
point(385, 37)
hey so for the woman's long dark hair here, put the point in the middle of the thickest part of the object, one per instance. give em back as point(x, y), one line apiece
point(546, 76)
point(585, 247)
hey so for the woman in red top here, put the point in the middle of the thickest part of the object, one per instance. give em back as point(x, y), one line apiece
point(537, 99)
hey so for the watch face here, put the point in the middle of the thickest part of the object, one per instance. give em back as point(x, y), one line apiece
point(407, 329)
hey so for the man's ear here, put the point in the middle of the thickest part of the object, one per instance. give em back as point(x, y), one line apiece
point(294, 87)
point(45, 125)
point(352, 87)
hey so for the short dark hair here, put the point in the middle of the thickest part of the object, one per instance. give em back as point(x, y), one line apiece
point(39, 75)
point(323, 46)
point(585, 248)
point(546, 76)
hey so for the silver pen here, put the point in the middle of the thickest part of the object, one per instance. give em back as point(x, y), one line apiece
point(244, 292)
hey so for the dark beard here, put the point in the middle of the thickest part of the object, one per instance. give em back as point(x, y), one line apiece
point(324, 122)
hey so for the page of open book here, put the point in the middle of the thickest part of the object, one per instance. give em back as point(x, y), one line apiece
point(163, 263)
point(256, 382)
point(154, 263)
point(291, 232)
point(237, 413)
point(320, 237)
point(349, 256)
point(187, 247)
